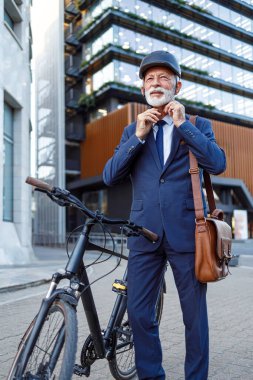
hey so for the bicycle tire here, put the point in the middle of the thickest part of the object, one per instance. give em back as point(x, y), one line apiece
point(123, 337)
point(60, 316)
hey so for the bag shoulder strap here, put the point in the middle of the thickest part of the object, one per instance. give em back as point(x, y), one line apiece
point(197, 197)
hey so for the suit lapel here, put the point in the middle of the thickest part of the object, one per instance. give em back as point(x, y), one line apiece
point(150, 141)
point(174, 147)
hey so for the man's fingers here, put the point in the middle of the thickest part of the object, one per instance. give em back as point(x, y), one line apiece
point(173, 105)
point(170, 106)
point(151, 111)
point(177, 111)
point(146, 119)
point(151, 118)
point(146, 122)
point(154, 110)
point(149, 114)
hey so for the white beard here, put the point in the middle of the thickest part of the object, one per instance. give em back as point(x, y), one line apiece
point(168, 96)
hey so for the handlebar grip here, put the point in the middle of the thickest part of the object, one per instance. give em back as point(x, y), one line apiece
point(38, 183)
point(149, 235)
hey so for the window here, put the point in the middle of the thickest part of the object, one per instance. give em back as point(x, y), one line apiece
point(13, 17)
point(106, 74)
point(9, 20)
point(8, 164)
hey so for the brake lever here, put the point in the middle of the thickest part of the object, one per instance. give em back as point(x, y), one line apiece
point(151, 236)
point(41, 191)
point(129, 232)
point(60, 192)
point(60, 202)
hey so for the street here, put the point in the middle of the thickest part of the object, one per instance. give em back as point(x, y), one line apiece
point(230, 317)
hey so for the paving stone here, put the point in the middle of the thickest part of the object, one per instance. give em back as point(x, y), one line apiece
point(230, 309)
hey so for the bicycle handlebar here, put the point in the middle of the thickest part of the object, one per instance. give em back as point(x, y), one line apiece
point(39, 184)
point(64, 195)
point(149, 234)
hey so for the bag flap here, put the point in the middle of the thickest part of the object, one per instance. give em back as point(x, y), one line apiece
point(224, 237)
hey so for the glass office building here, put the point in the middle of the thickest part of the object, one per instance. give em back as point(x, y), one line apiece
point(105, 41)
point(217, 50)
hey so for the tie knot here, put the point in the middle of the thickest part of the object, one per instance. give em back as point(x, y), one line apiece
point(161, 123)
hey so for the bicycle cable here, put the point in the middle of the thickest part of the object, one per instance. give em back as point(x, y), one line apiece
point(105, 230)
point(111, 271)
point(104, 247)
point(69, 236)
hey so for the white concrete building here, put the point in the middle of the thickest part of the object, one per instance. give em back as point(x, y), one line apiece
point(49, 125)
point(15, 126)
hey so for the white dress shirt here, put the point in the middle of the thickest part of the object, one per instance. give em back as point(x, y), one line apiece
point(167, 136)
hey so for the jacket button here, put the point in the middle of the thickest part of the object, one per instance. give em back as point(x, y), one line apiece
point(162, 180)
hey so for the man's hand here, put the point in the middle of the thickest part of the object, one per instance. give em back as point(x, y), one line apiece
point(177, 111)
point(145, 122)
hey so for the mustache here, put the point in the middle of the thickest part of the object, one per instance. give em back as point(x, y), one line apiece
point(156, 89)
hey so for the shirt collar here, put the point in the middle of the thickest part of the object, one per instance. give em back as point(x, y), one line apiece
point(166, 118)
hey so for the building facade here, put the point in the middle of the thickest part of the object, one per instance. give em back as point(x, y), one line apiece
point(105, 41)
point(48, 46)
point(15, 127)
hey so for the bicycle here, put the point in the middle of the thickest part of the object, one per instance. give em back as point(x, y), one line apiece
point(48, 348)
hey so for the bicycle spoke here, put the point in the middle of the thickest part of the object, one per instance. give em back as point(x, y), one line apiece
point(40, 358)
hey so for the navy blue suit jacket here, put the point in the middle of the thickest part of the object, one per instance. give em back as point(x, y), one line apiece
point(162, 197)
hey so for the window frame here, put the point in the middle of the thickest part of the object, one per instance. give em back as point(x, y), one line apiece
point(8, 139)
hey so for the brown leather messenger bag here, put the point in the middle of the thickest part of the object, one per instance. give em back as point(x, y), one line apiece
point(213, 236)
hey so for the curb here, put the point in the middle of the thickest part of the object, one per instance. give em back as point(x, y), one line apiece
point(13, 288)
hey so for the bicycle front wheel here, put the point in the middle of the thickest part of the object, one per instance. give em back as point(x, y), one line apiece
point(53, 353)
point(122, 364)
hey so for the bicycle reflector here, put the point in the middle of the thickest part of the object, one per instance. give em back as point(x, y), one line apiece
point(120, 286)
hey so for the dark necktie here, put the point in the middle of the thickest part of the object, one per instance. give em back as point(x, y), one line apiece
point(159, 140)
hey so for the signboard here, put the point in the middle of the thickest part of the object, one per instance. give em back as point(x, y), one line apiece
point(241, 224)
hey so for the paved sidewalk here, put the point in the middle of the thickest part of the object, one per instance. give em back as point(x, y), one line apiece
point(39, 271)
point(230, 309)
point(48, 260)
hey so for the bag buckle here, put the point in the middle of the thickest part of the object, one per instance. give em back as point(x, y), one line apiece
point(201, 225)
point(194, 170)
point(201, 221)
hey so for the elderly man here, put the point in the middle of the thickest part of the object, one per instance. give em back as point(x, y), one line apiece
point(154, 152)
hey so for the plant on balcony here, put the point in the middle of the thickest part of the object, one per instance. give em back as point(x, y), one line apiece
point(195, 103)
point(77, 3)
point(194, 6)
point(197, 71)
point(86, 27)
point(199, 9)
point(86, 62)
point(87, 101)
point(104, 48)
point(143, 20)
point(107, 46)
point(121, 85)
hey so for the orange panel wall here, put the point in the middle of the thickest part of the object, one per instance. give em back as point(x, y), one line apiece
point(237, 142)
point(104, 134)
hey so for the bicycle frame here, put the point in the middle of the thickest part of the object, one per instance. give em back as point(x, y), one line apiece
point(76, 269)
